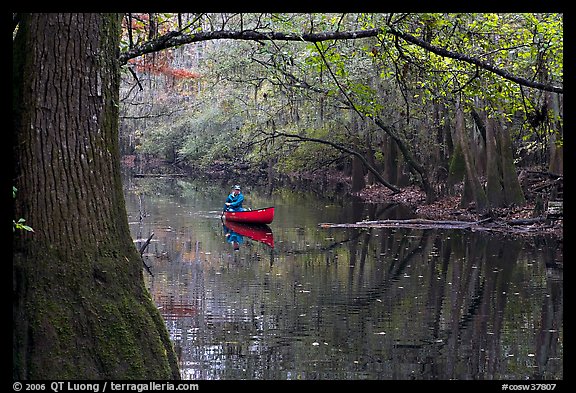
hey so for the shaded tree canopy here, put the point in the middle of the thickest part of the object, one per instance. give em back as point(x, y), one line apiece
point(174, 39)
point(402, 73)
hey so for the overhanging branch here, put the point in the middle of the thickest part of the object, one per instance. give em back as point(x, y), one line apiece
point(174, 38)
point(344, 149)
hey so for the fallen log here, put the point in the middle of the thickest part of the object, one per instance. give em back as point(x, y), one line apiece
point(526, 221)
point(411, 223)
point(518, 226)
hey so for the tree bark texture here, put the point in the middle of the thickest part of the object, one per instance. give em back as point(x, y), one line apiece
point(358, 181)
point(472, 180)
point(494, 178)
point(80, 306)
point(513, 194)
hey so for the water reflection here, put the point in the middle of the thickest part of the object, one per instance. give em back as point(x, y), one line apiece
point(232, 237)
point(349, 303)
point(235, 232)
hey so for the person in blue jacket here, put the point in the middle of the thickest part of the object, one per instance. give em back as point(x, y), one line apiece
point(234, 201)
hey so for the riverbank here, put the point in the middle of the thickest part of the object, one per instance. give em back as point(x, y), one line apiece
point(448, 208)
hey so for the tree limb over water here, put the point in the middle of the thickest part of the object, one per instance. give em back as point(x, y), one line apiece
point(173, 39)
point(344, 149)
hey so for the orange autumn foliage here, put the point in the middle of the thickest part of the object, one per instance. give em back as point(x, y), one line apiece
point(160, 68)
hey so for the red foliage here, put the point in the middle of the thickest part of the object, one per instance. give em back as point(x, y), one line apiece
point(180, 73)
point(160, 68)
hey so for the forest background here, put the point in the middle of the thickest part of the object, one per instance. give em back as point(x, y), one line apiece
point(466, 105)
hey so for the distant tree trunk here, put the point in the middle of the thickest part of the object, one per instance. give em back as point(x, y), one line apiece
point(502, 185)
point(370, 178)
point(494, 179)
point(80, 306)
point(390, 152)
point(513, 194)
point(556, 139)
point(472, 180)
point(358, 181)
point(456, 171)
point(270, 176)
point(413, 165)
point(479, 143)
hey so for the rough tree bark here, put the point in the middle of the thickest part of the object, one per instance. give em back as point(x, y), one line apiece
point(494, 180)
point(513, 194)
point(80, 306)
point(471, 180)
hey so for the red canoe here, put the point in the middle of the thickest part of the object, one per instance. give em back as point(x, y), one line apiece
point(257, 216)
point(259, 232)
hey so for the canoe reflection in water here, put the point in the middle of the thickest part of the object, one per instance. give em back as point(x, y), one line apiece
point(235, 233)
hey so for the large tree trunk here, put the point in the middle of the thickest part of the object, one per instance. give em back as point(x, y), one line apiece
point(471, 181)
point(502, 184)
point(358, 181)
point(80, 306)
point(513, 194)
point(494, 179)
point(390, 152)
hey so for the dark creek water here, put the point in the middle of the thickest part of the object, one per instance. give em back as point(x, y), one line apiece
point(339, 303)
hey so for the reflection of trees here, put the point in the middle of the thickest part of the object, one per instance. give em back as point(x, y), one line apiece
point(461, 331)
point(379, 303)
point(440, 298)
point(548, 350)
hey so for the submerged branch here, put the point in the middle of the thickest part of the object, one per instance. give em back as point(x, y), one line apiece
point(487, 224)
point(142, 252)
point(410, 223)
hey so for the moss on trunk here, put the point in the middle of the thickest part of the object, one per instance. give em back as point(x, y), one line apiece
point(80, 306)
